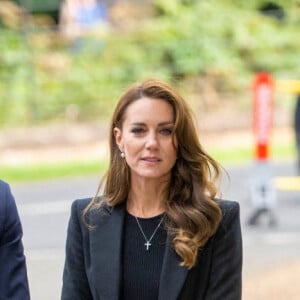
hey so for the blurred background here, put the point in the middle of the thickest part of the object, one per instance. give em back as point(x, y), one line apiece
point(63, 65)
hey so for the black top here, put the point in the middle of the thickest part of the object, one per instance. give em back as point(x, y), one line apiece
point(93, 265)
point(142, 267)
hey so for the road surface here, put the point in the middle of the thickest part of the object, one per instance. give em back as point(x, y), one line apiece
point(44, 208)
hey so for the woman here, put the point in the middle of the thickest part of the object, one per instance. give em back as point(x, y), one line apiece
point(157, 232)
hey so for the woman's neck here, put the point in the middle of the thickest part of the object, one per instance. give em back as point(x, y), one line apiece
point(147, 199)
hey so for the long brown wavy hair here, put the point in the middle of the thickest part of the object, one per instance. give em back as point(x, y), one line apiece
point(192, 214)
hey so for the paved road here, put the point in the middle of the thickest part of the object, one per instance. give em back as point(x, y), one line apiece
point(45, 206)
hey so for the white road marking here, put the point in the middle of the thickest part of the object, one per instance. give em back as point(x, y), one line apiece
point(45, 208)
point(282, 238)
point(273, 239)
point(45, 254)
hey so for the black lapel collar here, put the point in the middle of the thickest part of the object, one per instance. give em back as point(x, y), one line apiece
point(106, 247)
point(172, 274)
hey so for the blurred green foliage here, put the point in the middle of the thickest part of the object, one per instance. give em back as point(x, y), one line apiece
point(43, 78)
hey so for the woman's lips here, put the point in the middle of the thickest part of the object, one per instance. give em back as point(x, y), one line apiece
point(151, 159)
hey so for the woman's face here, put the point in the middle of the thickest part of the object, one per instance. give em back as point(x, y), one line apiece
point(146, 138)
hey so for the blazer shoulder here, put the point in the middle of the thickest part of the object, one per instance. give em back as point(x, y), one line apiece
point(92, 215)
point(229, 208)
point(8, 209)
point(79, 205)
point(3, 185)
point(230, 214)
point(4, 191)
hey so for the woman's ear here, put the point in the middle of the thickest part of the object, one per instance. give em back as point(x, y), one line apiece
point(118, 137)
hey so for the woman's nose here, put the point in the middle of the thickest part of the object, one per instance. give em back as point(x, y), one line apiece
point(152, 141)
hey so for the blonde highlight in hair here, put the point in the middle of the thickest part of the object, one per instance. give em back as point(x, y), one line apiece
point(192, 213)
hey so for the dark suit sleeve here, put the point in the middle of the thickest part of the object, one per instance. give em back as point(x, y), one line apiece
point(13, 273)
point(75, 282)
point(226, 270)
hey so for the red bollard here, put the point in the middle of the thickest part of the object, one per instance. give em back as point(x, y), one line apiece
point(263, 91)
point(263, 193)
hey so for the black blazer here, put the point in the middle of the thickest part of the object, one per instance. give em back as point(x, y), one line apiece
point(13, 273)
point(93, 259)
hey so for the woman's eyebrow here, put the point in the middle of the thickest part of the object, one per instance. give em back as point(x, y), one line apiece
point(159, 124)
point(138, 124)
point(165, 123)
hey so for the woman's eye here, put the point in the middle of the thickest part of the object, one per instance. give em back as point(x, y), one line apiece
point(137, 130)
point(166, 131)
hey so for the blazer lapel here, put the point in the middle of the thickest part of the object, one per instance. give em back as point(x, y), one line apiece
point(172, 274)
point(106, 247)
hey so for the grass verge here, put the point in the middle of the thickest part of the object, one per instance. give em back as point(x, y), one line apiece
point(232, 156)
point(242, 155)
point(51, 171)
point(226, 156)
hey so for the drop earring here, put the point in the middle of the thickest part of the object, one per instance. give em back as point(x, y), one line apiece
point(122, 154)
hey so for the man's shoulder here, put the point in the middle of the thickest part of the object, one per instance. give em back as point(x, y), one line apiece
point(4, 187)
point(9, 216)
point(5, 196)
